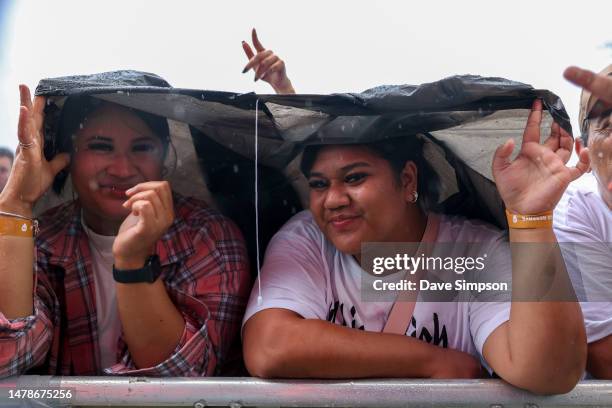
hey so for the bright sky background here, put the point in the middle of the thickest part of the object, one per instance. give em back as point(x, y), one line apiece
point(328, 46)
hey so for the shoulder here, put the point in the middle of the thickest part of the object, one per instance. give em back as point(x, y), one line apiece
point(204, 237)
point(303, 224)
point(300, 230)
point(197, 217)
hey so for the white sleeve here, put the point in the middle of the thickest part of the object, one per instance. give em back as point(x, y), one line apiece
point(490, 311)
point(588, 258)
point(293, 277)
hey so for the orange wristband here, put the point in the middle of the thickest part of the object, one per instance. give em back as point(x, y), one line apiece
point(522, 221)
point(16, 227)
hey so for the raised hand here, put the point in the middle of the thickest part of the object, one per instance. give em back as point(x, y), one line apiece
point(267, 66)
point(535, 180)
point(152, 213)
point(32, 174)
point(598, 84)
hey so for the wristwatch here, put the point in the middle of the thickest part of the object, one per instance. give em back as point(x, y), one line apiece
point(148, 273)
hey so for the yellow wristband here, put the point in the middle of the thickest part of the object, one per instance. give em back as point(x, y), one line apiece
point(522, 221)
point(16, 227)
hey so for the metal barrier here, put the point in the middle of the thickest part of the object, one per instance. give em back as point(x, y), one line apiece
point(239, 392)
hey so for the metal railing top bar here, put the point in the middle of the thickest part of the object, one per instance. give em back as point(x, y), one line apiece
point(237, 392)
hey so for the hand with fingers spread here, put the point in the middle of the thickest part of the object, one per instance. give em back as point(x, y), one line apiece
point(267, 66)
point(535, 180)
point(151, 215)
point(32, 174)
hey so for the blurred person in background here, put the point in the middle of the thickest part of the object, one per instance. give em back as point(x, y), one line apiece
point(584, 223)
point(6, 162)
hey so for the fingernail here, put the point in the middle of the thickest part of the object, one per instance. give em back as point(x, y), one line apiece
point(245, 70)
point(255, 80)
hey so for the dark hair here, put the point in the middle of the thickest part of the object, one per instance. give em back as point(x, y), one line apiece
point(6, 152)
point(396, 151)
point(75, 111)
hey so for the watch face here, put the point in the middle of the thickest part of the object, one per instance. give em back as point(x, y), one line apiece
point(154, 267)
point(148, 273)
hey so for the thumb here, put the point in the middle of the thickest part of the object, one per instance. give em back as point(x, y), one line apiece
point(501, 157)
point(59, 162)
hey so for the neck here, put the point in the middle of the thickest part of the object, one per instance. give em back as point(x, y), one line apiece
point(100, 226)
point(416, 220)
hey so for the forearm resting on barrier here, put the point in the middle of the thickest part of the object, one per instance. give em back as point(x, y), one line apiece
point(279, 343)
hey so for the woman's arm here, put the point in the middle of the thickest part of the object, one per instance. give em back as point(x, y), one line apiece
point(152, 325)
point(267, 66)
point(30, 177)
point(278, 343)
point(542, 347)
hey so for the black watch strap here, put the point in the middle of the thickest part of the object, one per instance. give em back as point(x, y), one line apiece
point(148, 273)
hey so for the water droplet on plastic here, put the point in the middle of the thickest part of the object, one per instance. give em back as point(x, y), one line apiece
point(236, 169)
point(232, 97)
point(179, 111)
point(399, 125)
point(342, 128)
point(202, 96)
point(120, 92)
point(285, 203)
point(293, 210)
point(80, 125)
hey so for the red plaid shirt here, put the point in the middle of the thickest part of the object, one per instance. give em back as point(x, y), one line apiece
point(205, 271)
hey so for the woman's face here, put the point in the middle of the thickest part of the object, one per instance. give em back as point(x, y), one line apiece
point(113, 151)
point(355, 197)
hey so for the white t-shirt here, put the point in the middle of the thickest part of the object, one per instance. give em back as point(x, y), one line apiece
point(583, 218)
point(303, 272)
point(109, 324)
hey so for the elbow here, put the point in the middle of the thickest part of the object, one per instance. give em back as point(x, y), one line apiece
point(266, 349)
point(552, 378)
point(558, 384)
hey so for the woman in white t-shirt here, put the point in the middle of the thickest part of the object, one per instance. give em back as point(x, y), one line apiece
point(301, 324)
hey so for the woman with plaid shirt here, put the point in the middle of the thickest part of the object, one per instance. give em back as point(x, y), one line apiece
point(129, 278)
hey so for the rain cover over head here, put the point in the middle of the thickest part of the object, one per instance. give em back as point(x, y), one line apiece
point(463, 119)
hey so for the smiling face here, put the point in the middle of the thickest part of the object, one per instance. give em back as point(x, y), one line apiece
point(356, 197)
point(113, 151)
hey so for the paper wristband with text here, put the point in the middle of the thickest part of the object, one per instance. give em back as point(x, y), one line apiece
point(16, 227)
point(522, 221)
